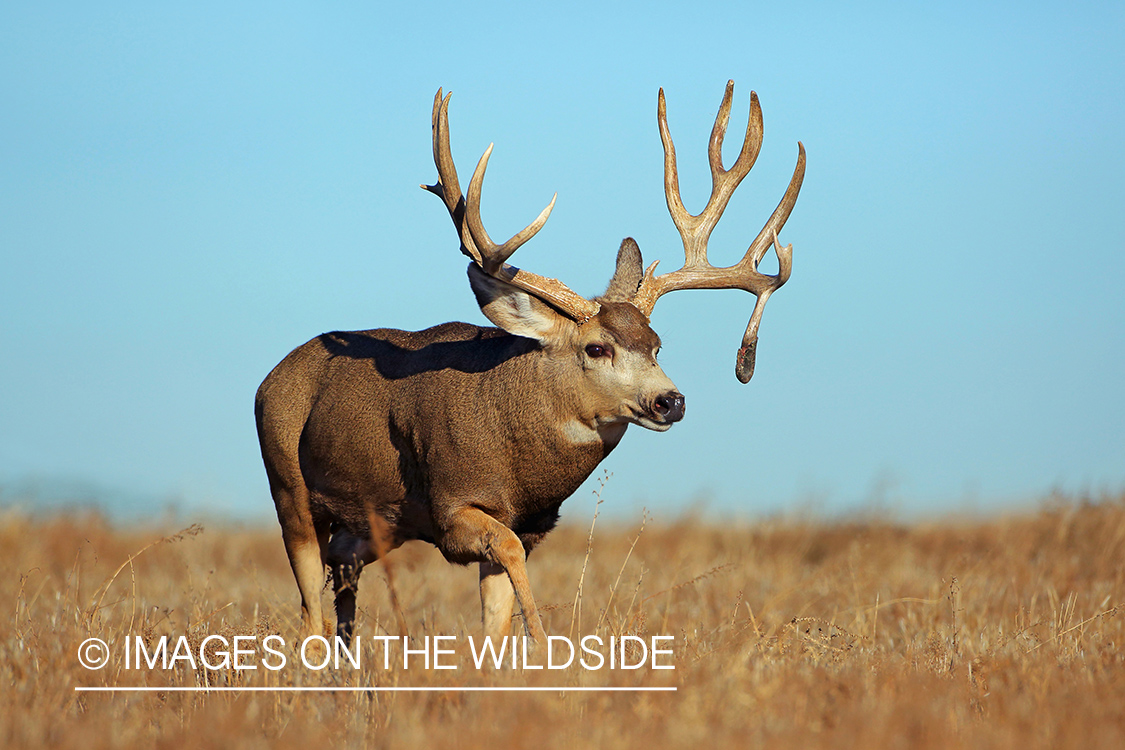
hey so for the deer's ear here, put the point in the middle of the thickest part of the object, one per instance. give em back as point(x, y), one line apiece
point(627, 277)
point(516, 311)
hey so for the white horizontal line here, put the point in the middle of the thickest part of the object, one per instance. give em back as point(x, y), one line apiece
point(300, 689)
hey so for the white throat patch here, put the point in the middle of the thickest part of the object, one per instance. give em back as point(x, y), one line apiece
point(580, 433)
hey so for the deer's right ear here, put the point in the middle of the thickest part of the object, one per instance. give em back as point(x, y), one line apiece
point(514, 310)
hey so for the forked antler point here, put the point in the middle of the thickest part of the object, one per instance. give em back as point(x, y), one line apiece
point(695, 230)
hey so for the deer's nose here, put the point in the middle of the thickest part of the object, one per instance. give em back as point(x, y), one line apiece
point(670, 405)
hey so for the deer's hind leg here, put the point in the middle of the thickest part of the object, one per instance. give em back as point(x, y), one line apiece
point(279, 423)
point(306, 544)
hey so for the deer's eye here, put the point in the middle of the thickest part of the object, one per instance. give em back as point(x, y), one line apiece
point(597, 350)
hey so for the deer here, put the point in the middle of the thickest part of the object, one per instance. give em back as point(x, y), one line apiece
point(470, 437)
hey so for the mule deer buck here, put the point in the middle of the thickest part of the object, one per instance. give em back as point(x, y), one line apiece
point(470, 438)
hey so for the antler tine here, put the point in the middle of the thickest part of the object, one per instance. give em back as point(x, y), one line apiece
point(493, 255)
point(718, 132)
point(447, 171)
point(780, 215)
point(680, 216)
point(447, 187)
point(747, 155)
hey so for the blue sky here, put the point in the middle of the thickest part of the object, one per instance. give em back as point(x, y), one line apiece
point(187, 193)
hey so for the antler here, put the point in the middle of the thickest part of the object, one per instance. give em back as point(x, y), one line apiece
point(475, 241)
point(697, 272)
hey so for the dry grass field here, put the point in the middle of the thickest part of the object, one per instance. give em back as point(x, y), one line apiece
point(986, 633)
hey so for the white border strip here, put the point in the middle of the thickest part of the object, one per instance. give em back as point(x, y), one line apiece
point(300, 689)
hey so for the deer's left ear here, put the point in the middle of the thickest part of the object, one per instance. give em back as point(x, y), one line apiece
point(516, 311)
point(627, 277)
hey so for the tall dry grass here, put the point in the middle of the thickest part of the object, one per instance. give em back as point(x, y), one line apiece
point(994, 633)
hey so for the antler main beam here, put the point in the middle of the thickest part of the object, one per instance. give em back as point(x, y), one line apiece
point(475, 241)
point(695, 230)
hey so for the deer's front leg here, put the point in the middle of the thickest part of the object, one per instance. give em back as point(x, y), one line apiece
point(472, 533)
point(497, 600)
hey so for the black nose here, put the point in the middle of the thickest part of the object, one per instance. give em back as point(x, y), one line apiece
point(670, 406)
